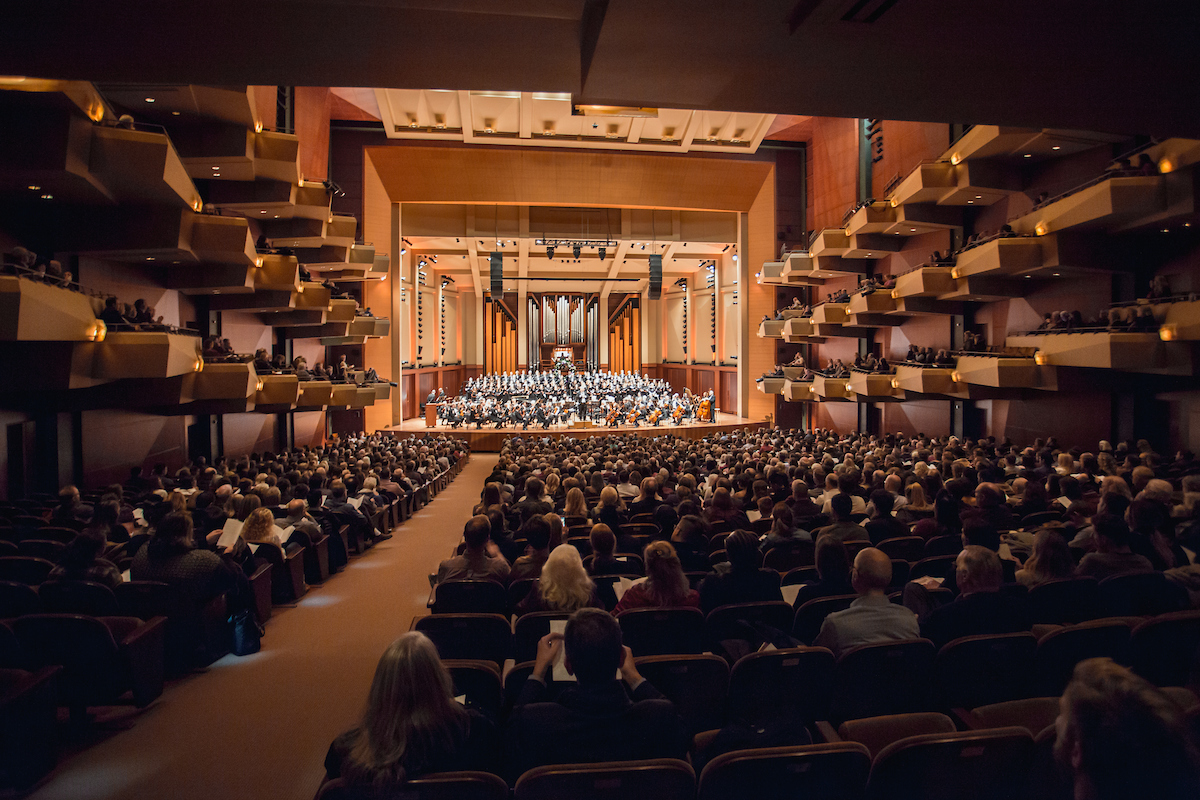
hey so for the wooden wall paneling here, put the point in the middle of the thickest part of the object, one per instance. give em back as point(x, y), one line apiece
point(727, 396)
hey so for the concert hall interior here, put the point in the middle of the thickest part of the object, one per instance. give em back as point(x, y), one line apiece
point(232, 229)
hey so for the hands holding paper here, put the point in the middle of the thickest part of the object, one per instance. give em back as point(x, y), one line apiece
point(549, 646)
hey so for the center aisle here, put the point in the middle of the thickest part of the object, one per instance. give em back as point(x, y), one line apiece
point(259, 726)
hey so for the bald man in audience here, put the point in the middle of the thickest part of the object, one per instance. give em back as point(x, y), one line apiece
point(872, 617)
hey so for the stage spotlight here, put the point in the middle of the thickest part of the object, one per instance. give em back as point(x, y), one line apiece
point(550, 253)
point(576, 250)
point(602, 253)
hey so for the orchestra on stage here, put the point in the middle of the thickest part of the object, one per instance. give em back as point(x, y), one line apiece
point(542, 399)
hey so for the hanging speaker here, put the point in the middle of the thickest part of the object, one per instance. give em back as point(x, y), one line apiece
point(497, 274)
point(655, 277)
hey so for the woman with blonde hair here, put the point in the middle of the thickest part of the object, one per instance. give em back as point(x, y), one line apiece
point(576, 505)
point(259, 528)
point(564, 585)
point(553, 482)
point(611, 510)
point(917, 506)
point(666, 585)
point(411, 725)
point(1051, 560)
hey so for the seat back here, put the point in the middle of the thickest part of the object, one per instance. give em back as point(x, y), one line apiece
point(900, 573)
point(818, 771)
point(78, 597)
point(799, 575)
point(660, 778)
point(790, 556)
point(1065, 602)
point(436, 786)
point(1141, 594)
point(1059, 651)
point(979, 670)
point(479, 681)
point(934, 566)
point(48, 549)
point(25, 569)
point(18, 599)
point(484, 637)
point(982, 765)
point(948, 545)
point(57, 534)
point(729, 622)
point(83, 646)
point(809, 617)
point(1032, 713)
point(905, 548)
point(662, 631)
point(470, 597)
point(517, 591)
point(859, 692)
point(696, 684)
point(792, 684)
point(1164, 650)
point(529, 629)
point(876, 733)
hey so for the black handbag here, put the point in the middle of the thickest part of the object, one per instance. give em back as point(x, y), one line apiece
point(247, 636)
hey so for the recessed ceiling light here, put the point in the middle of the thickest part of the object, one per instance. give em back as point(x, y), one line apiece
point(149, 99)
point(1056, 147)
point(1056, 274)
point(174, 113)
point(1029, 155)
point(35, 188)
point(262, 212)
point(216, 167)
point(47, 197)
point(149, 258)
point(970, 202)
point(276, 216)
point(914, 230)
point(978, 197)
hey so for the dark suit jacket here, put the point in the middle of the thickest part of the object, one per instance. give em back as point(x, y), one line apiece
point(739, 586)
point(976, 614)
point(591, 724)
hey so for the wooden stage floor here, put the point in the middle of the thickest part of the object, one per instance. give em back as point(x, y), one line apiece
point(489, 439)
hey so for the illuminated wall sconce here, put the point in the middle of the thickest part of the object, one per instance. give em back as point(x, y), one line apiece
point(956, 376)
point(1168, 333)
point(258, 385)
point(895, 383)
point(1041, 229)
point(98, 331)
point(956, 159)
point(1041, 359)
point(198, 366)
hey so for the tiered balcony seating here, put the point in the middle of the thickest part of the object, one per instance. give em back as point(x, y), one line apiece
point(770, 384)
point(1106, 203)
point(829, 242)
point(873, 310)
point(874, 218)
point(831, 389)
point(141, 167)
point(771, 273)
point(770, 329)
point(795, 391)
point(873, 387)
point(276, 393)
point(1102, 349)
point(938, 381)
point(1004, 372)
point(32, 311)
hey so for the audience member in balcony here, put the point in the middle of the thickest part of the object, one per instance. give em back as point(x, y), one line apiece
point(111, 315)
point(1050, 560)
point(411, 725)
point(319, 373)
point(18, 261)
point(743, 581)
point(341, 370)
point(1119, 736)
point(1145, 165)
point(980, 608)
point(798, 361)
point(665, 586)
point(867, 286)
point(475, 563)
point(1112, 555)
point(300, 368)
point(872, 617)
point(564, 585)
point(262, 362)
point(598, 719)
point(913, 353)
point(1159, 287)
point(278, 363)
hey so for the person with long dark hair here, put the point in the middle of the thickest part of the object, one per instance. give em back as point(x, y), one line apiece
point(411, 725)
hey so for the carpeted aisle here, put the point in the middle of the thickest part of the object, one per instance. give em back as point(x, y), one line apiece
point(259, 726)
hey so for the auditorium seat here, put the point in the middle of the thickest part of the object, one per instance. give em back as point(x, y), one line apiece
point(483, 637)
point(696, 684)
point(529, 629)
point(316, 561)
point(905, 548)
point(819, 771)
point(876, 733)
point(660, 778)
point(1033, 714)
point(934, 566)
point(1059, 651)
point(662, 631)
point(789, 557)
point(436, 786)
point(858, 690)
point(57, 534)
point(1141, 594)
point(758, 621)
point(791, 684)
point(260, 587)
point(25, 569)
point(78, 597)
point(979, 670)
point(102, 658)
point(950, 545)
point(1165, 650)
point(196, 636)
point(1065, 601)
point(982, 765)
point(517, 591)
point(17, 599)
point(28, 729)
point(470, 597)
point(479, 682)
point(810, 616)
point(48, 549)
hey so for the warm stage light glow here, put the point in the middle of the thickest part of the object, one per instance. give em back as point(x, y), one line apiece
point(895, 383)
point(1040, 358)
point(199, 365)
point(956, 376)
point(1041, 229)
point(1168, 333)
point(1165, 165)
point(258, 386)
point(98, 331)
point(956, 159)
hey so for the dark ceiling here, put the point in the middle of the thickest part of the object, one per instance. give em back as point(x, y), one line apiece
point(1101, 65)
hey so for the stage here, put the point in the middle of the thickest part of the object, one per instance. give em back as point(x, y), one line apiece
point(489, 439)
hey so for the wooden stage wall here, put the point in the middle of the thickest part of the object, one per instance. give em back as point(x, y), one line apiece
point(490, 440)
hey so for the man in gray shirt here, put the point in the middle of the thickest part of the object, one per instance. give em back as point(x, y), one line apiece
point(872, 617)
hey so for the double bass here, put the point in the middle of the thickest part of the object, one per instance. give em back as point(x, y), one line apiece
point(613, 416)
point(655, 416)
point(677, 414)
point(705, 409)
